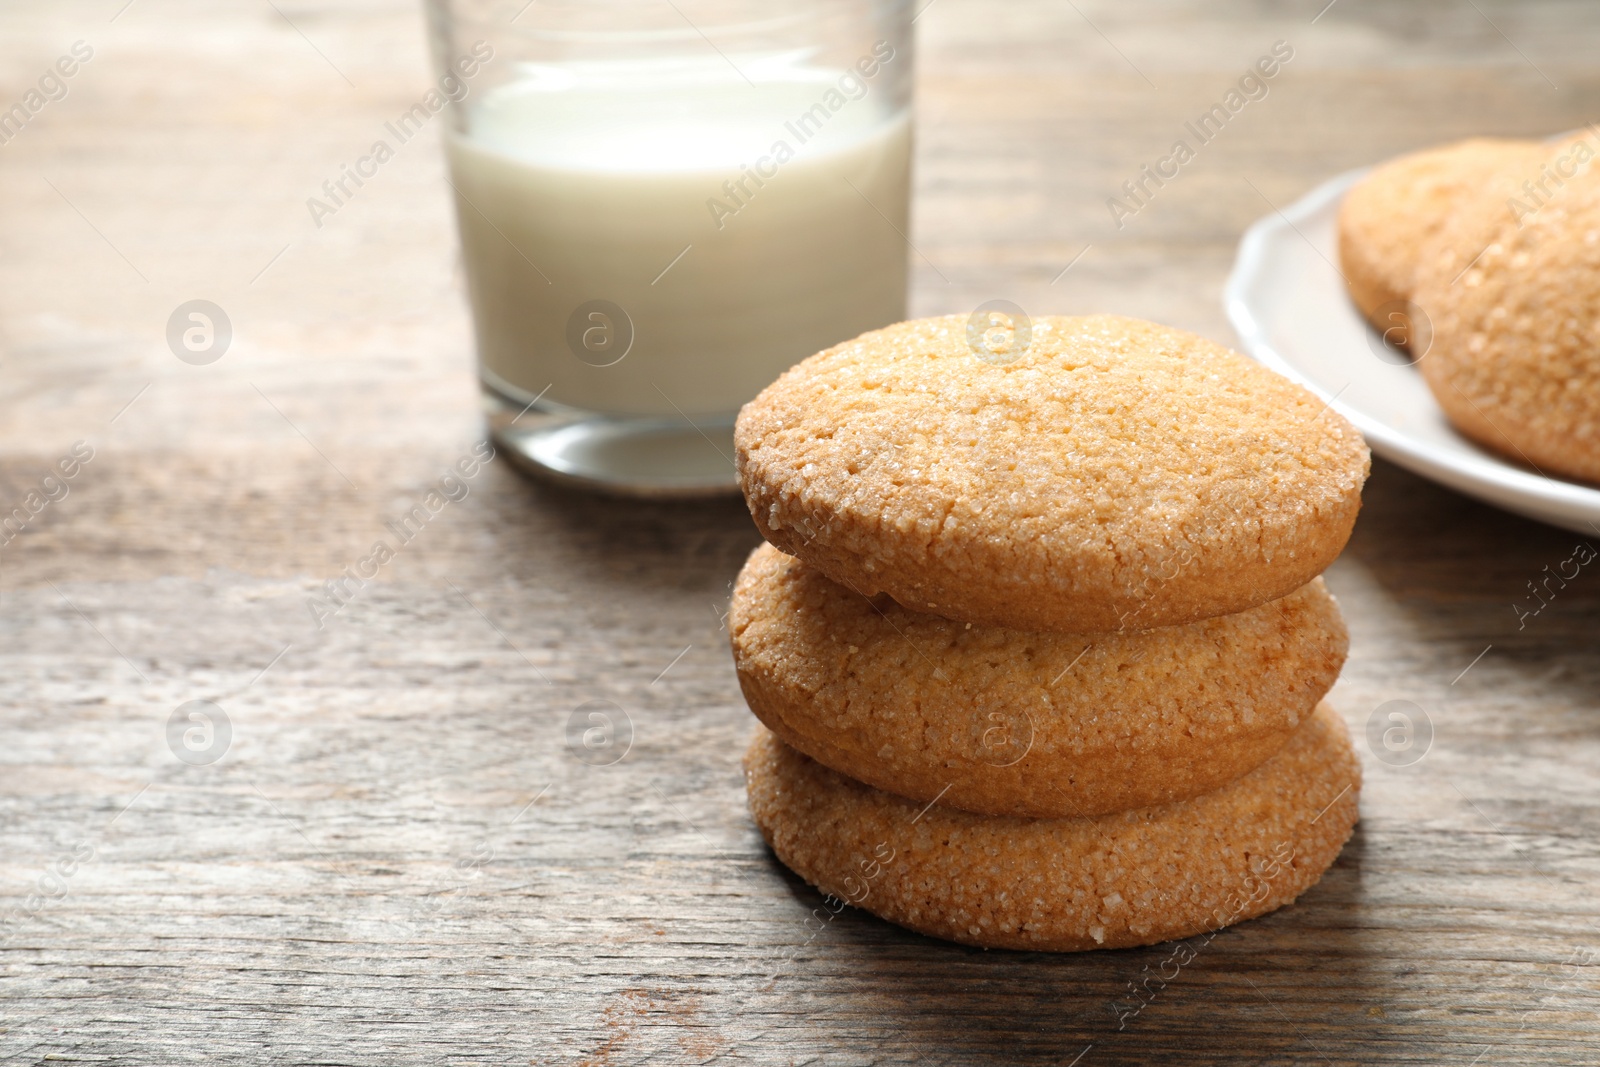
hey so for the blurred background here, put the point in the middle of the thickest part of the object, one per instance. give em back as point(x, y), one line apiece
point(179, 164)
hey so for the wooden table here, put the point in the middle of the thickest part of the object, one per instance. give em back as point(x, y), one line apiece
point(398, 859)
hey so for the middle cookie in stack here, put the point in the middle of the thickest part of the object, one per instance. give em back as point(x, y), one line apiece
point(1041, 644)
point(1010, 722)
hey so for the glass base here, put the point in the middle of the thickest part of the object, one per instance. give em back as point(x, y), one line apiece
point(636, 456)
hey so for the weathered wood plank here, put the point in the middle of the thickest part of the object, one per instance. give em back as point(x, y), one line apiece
point(400, 860)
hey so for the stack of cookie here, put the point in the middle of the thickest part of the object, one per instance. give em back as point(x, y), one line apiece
point(1483, 259)
point(1040, 643)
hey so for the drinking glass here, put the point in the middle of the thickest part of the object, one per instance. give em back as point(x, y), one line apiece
point(662, 205)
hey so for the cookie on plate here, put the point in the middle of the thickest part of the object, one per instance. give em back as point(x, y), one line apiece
point(1110, 474)
point(1011, 722)
point(1109, 881)
point(1515, 361)
point(1396, 215)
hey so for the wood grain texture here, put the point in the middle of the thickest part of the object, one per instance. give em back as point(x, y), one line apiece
point(399, 858)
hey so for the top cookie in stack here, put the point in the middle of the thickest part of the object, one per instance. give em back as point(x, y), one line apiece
point(1041, 643)
point(1117, 475)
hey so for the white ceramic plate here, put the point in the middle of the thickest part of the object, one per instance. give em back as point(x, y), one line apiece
point(1288, 303)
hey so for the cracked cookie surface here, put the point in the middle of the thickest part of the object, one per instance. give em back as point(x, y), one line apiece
point(1115, 475)
point(1514, 361)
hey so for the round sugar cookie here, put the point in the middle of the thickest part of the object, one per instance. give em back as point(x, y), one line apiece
point(1515, 361)
point(1114, 475)
point(1011, 722)
point(1395, 216)
point(1108, 881)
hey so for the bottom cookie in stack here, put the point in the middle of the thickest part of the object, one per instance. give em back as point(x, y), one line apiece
point(1068, 884)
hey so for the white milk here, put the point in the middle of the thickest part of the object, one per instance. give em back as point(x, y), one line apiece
point(574, 188)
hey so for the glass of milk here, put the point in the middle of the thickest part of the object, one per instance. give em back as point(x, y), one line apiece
point(663, 204)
